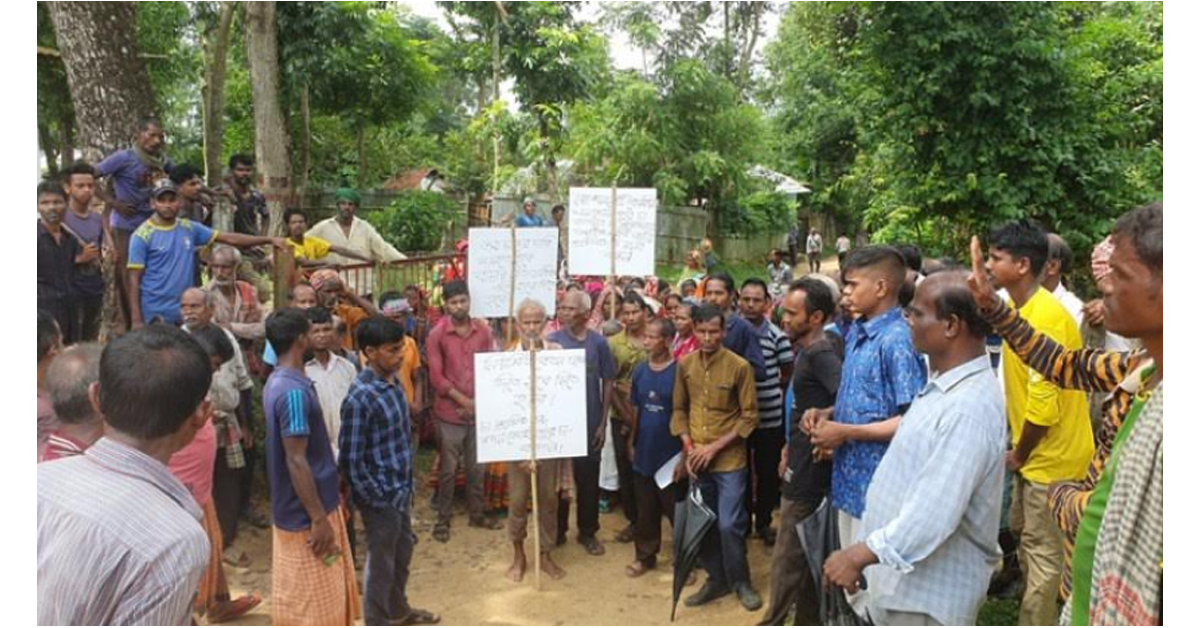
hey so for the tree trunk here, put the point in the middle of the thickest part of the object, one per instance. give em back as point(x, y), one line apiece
point(362, 156)
point(66, 129)
point(496, 99)
point(49, 146)
point(110, 87)
point(216, 49)
point(270, 129)
point(306, 138)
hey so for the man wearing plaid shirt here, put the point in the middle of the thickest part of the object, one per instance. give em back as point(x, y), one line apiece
point(928, 544)
point(376, 459)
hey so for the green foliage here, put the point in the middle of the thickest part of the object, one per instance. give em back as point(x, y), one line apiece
point(930, 121)
point(169, 39)
point(416, 221)
point(760, 212)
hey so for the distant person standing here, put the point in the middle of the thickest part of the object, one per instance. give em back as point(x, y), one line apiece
point(843, 248)
point(813, 247)
point(530, 217)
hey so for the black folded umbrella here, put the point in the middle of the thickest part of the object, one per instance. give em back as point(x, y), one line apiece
point(820, 538)
point(693, 520)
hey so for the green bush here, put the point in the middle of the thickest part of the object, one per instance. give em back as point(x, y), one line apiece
point(758, 213)
point(416, 221)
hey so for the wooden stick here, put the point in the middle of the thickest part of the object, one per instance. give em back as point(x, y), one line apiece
point(612, 251)
point(512, 286)
point(533, 469)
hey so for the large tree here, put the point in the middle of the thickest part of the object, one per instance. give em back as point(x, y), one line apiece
point(110, 87)
point(270, 137)
point(216, 51)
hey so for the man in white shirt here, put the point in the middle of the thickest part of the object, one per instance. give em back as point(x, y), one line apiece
point(347, 231)
point(330, 373)
point(1057, 265)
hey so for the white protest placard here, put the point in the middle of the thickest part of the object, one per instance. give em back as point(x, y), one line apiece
point(593, 249)
point(490, 279)
point(502, 416)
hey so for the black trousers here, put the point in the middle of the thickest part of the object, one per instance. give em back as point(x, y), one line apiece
point(765, 448)
point(625, 475)
point(587, 499)
point(227, 497)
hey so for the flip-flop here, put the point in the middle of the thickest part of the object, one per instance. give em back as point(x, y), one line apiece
point(638, 571)
point(441, 533)
point(236, 609)
point(417, 617)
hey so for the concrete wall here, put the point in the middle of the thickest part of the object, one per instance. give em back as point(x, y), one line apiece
point(680, 230)
point(749, 249)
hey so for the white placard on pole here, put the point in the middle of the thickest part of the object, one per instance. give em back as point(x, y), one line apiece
point(502, 402)
point(592, 248)
point(492, 265)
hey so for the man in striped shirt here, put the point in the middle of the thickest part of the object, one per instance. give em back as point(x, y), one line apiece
point(765, 446)
point(136, 556)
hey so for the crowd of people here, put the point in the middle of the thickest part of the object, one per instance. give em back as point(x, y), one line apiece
point(879, 400)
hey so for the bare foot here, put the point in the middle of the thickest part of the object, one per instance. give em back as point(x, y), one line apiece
point(551, 569)
point(516, 572)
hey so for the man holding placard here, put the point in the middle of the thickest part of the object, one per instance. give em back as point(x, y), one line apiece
point(715, 409)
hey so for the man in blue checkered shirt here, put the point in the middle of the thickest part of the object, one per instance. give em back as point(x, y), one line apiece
point(376, 460)
point(928, 543)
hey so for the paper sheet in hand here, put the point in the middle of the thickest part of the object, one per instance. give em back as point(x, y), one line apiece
point(665, 476)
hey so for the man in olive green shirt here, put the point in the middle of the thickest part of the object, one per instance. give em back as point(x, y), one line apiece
point(629, 350)
point(715, 411)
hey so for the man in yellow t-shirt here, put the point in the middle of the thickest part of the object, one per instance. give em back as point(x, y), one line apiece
point(310, 250)
point(1050, 427)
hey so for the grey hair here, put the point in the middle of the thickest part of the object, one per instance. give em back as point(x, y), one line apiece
point(210, 297)
point(228, 250)
point(532, 304)
point(69, 380)
point(585, 299)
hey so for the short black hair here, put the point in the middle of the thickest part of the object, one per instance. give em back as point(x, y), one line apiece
point(455, 289)
point(215, 342)
point(152, 380)
point(69, 380)
point(292, 290)
point(912, 256)
point(688, 282)
point(671, 296)
point(378, 331)
point(148, 121)
point(885, 258)
point(185, 172)
point(724, 278)
point(666, 326)
point(52, 187)
point(956, 300)
point(285, 327)
point(48, 334)
point(1059, 251)
point(558, 209)
point(241, 159)
point(1022, 238)
point(817, 296)
point(79, 167)
point(1144, 229)
point(293, 211)
point(759, 283)
point(706, 313)
point(633, 298)
point(637, 281)
point(319, 316)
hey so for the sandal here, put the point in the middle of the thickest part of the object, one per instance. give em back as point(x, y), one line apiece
point(235, 609)
point(637, 569)
point(593, 546)
point(626, 535)
point(417, 617)
point(441, 533)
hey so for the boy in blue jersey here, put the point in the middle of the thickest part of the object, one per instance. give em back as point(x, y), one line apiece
point(162, 258)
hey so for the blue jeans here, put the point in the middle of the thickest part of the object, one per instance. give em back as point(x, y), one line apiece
point(390, 543)
point(724, 551)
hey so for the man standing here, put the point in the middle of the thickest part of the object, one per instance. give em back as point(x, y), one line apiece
point(250, 216)
point(808, 307)
point(779, 273)
point(89, 228)
point(377, 461)
point(715, 409)
point(194, 203)
point(162, 258)
point(312, 573)
point(237, 307)
point(451, 349)
point(58, 253)
point(933, 510)
point(813, 246)
point(573, 314)
point(68, 384)
point(740, 337)
point(1058, 264)
point(331, 374)
point(1051, 428)
point(132, 174)
point(767, 442)
point(793, 242)
point(530, 217)
point(843, 248)
point(629, 351)
point(136, 556)
point(653, 446)
point(882, 374)
point(346, 230)
point(311, 251)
